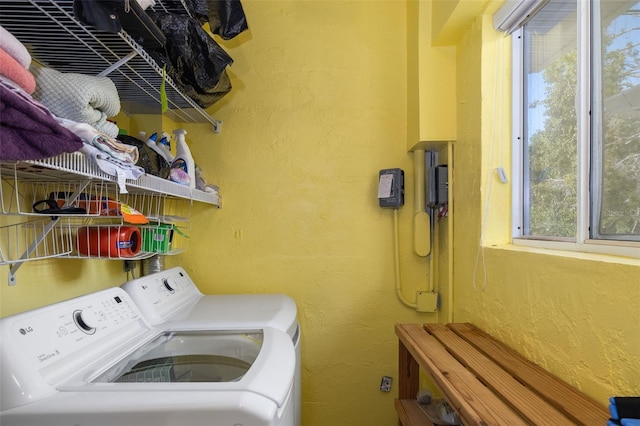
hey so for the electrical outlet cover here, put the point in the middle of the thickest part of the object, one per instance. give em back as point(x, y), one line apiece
point(427, 301)
point(385, 384)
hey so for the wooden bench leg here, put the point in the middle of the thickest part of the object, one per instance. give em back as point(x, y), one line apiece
point(409, 371)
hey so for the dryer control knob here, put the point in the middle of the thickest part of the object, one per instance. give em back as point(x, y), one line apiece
point(168, 286)
point(82, 323)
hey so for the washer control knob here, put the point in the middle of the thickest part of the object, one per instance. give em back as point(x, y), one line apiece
point(168, 286)
point(82, 323)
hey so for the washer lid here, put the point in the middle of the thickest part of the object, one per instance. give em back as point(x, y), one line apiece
point(261, 361)
point(189, 357)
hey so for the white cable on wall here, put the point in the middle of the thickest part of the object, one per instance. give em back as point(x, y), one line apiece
point(480, 253)
point(496, 129)
point(433, 266)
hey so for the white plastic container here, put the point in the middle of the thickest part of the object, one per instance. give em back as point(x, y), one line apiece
point(183, 159)
point(164, 145)
point(151, 143)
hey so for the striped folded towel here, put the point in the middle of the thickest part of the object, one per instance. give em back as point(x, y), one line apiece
point(15, 48)
point(16, 73)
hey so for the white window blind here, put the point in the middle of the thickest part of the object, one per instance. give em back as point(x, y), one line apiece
point(515, 13)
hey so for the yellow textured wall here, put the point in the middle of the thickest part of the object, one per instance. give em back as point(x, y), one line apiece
point(319, 106)
point(42, 282)
point(431, 80)
point(575, 315)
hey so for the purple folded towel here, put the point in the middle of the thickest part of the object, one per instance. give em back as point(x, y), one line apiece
point(28, 131)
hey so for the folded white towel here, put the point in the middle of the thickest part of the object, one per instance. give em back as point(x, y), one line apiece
point(78, 97)
point(106, 144)
point(112, 165)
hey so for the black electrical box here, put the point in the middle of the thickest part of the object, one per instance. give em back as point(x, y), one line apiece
point(436, 181)
point(391, 188)
point(442, 185)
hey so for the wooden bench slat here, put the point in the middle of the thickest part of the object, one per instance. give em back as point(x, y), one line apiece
point(410, 414)
point(460, 387)
point(406, 334)
point(581, 408)
point(526, 402)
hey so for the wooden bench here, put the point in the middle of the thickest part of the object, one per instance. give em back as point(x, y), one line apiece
point(484, 381)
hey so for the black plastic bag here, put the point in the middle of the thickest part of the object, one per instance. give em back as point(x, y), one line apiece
point(113, 15)
point(212, 95)
point(152, 162)
point(197, 8)
point(226, 17)
point(194, 60)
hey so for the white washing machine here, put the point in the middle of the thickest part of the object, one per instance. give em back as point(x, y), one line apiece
point(172, 300)
point(94, 361)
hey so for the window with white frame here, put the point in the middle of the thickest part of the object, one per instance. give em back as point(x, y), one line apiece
point(576, 120)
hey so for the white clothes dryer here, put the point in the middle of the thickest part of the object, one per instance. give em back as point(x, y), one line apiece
point(171, 299)
point(94, 361)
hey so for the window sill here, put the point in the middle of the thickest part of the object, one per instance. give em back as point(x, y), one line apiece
point(622, 254)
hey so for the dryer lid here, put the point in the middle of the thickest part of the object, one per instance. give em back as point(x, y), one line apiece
point(232, 311)
point(171, 296)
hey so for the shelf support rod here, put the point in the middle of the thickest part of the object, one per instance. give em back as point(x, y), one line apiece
point(118, 64)
point(14, 268)
point(39, 238)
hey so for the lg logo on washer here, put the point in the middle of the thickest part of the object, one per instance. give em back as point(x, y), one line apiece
point(26, 330)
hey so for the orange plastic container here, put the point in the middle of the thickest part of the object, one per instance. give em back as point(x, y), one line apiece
point(108, 241)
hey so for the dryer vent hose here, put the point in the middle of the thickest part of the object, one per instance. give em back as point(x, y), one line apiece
point(152, 264)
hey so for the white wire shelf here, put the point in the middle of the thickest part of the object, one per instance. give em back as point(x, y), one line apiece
point(87, 199)
point(56, 39)
point(127, 241)
point(71, 167)
point(34, 240)
point(29, 188)
point(69, 238)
